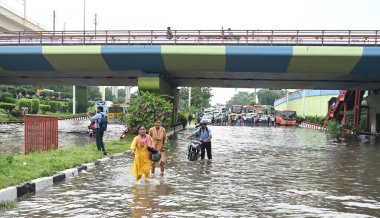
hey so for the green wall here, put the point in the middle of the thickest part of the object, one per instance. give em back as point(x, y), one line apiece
point(314, 105)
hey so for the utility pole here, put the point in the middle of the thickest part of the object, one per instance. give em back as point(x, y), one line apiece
point(24, 14)
point(74, 100)
point(84, 21)
point(95, 22)
point(256, 97)
point(53, 22)
point(84, 15)
point(303, 102)
point(287, 99)
point(189, 97)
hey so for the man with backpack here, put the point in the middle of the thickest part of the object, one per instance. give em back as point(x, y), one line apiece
point(100, 120)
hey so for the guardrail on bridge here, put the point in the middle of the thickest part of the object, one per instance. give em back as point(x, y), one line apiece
point(194, 37)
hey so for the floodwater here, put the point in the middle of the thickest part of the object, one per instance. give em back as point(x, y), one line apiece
point(255, 172)
point(70, 132)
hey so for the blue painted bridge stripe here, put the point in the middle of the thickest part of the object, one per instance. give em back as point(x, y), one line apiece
point(134, 57)
point(258, 58)
point(23, 58)
point(369, 63)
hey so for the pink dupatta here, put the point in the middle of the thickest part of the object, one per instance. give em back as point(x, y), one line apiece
point(145, 141)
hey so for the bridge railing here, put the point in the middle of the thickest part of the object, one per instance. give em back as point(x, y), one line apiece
point(195, 37)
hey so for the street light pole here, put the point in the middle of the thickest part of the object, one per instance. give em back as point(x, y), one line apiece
point(24, 14)
point(53, 21)
point(84, 15)
point(95, 22)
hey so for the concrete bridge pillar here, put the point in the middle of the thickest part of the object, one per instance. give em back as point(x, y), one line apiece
point(373, 101)
point(156, 84)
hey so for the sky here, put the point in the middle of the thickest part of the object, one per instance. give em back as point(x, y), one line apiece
point(201, 15)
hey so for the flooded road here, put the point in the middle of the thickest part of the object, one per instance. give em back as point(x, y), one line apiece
point(70, 132)
point(256, 172)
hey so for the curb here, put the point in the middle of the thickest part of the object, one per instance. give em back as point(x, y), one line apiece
point(36, 185)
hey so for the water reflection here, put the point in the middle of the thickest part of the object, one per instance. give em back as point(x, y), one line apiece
point(259, 171)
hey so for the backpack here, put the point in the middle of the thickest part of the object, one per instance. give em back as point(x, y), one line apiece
point(103, 123)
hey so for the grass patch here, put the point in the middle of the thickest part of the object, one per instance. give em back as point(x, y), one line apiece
point(7, 205)
point(15, 169)
point(5, 117)
point(334, 127)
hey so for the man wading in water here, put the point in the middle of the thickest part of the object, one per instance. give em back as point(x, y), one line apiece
point(205, 136)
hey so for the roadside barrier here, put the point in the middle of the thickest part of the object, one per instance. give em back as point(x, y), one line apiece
point(41, 133)
point(310, 125)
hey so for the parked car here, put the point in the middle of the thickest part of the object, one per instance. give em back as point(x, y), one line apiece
point(207, 118)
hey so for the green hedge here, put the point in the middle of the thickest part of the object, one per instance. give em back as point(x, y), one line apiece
point(25, 103)
point(64, 108)
point(316, 119)
point(44, 108)
point(7, 97)
point(54, 106)
point(7, 106)
point(35, 106)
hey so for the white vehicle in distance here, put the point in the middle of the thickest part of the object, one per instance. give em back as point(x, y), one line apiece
point(207, 118)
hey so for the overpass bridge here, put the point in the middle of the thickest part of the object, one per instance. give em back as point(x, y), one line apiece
point(246, 58)
point(10, 21)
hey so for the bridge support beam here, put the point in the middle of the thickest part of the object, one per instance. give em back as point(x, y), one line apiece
point(373, 101)
point(156, 84)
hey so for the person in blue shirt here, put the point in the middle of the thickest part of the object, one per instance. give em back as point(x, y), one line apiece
point(205, 137)
point(98, 131)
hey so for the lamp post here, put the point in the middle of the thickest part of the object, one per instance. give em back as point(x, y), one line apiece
point(303, 102)
point(53, 22)
point(96, 22)
point(84, 15)
point(287, 99)
point(24, 14)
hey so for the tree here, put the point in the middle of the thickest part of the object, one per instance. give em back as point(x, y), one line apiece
point(200, 97)
point(93, 93)
point(242, 98)
point(148, 107)
point(109, 96)
point(121, 93)
point(267, 97)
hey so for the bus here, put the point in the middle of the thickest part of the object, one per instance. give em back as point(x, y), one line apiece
point(237, 109)
point(117, 112)
point(286, 117)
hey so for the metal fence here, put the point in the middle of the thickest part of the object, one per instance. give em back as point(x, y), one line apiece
point(194, 37)
point(41, 133)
